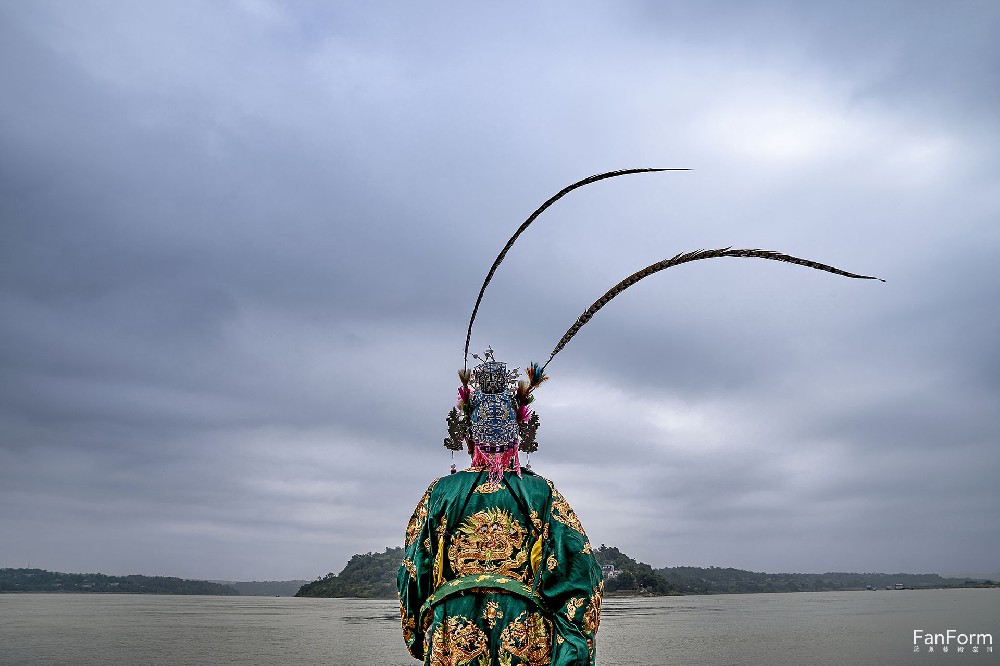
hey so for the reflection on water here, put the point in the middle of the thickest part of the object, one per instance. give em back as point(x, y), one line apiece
point(796, 628)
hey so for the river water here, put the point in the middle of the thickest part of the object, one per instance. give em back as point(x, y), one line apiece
point(794, 628)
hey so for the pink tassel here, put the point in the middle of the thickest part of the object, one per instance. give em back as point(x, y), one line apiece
point(510, 459)
point(479, 458)
point(497, 463)
point(496, 467)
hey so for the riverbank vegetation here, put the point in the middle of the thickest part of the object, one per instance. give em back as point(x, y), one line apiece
point(367, 576)
point(373, 576)
point(39, 580)
point(725, 580)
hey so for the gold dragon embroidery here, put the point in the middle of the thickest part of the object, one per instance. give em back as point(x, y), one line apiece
point(492, 612)
point(529, 638)
point(490, 541)
point(457, 642)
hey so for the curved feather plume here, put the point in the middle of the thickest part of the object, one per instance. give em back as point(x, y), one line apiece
point(503, 253)
point(683, 259)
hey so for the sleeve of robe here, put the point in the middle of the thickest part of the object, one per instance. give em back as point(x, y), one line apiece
point(570, 584)
point(414, 582)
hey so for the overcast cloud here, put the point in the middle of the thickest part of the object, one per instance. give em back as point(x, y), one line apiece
point(241, 242)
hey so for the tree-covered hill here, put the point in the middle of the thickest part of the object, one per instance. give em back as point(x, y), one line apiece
point(718, 580)
point(373, 575)
point(369, 576)
point(39, 580)
point(631, 576)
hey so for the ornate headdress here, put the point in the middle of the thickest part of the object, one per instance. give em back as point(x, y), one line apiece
point(492, 414)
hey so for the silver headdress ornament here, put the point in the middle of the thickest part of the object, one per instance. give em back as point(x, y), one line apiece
point(492, 414)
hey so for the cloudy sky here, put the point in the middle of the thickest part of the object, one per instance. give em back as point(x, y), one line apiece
point(241, 242)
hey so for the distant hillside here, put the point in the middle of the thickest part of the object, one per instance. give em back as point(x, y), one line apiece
point(373, 575)
point(369, 576)
point(630, 576)
point(38, 580)
point(716, 580)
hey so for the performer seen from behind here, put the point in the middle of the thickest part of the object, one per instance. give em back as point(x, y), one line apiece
point(497, 568)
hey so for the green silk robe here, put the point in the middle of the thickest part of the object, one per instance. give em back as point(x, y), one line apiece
point(498, 575)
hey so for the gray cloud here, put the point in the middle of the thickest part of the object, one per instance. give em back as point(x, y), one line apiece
point(241, 243)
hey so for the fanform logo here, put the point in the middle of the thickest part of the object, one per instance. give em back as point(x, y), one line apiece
point(951, 640)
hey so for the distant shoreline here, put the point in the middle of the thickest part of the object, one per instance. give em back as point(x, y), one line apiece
point(683, 581)
point(40, 580)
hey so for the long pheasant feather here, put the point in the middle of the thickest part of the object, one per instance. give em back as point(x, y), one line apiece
point(503, 253)
point(683, 259)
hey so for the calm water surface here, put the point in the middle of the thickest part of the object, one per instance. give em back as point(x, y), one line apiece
point(798, 628)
